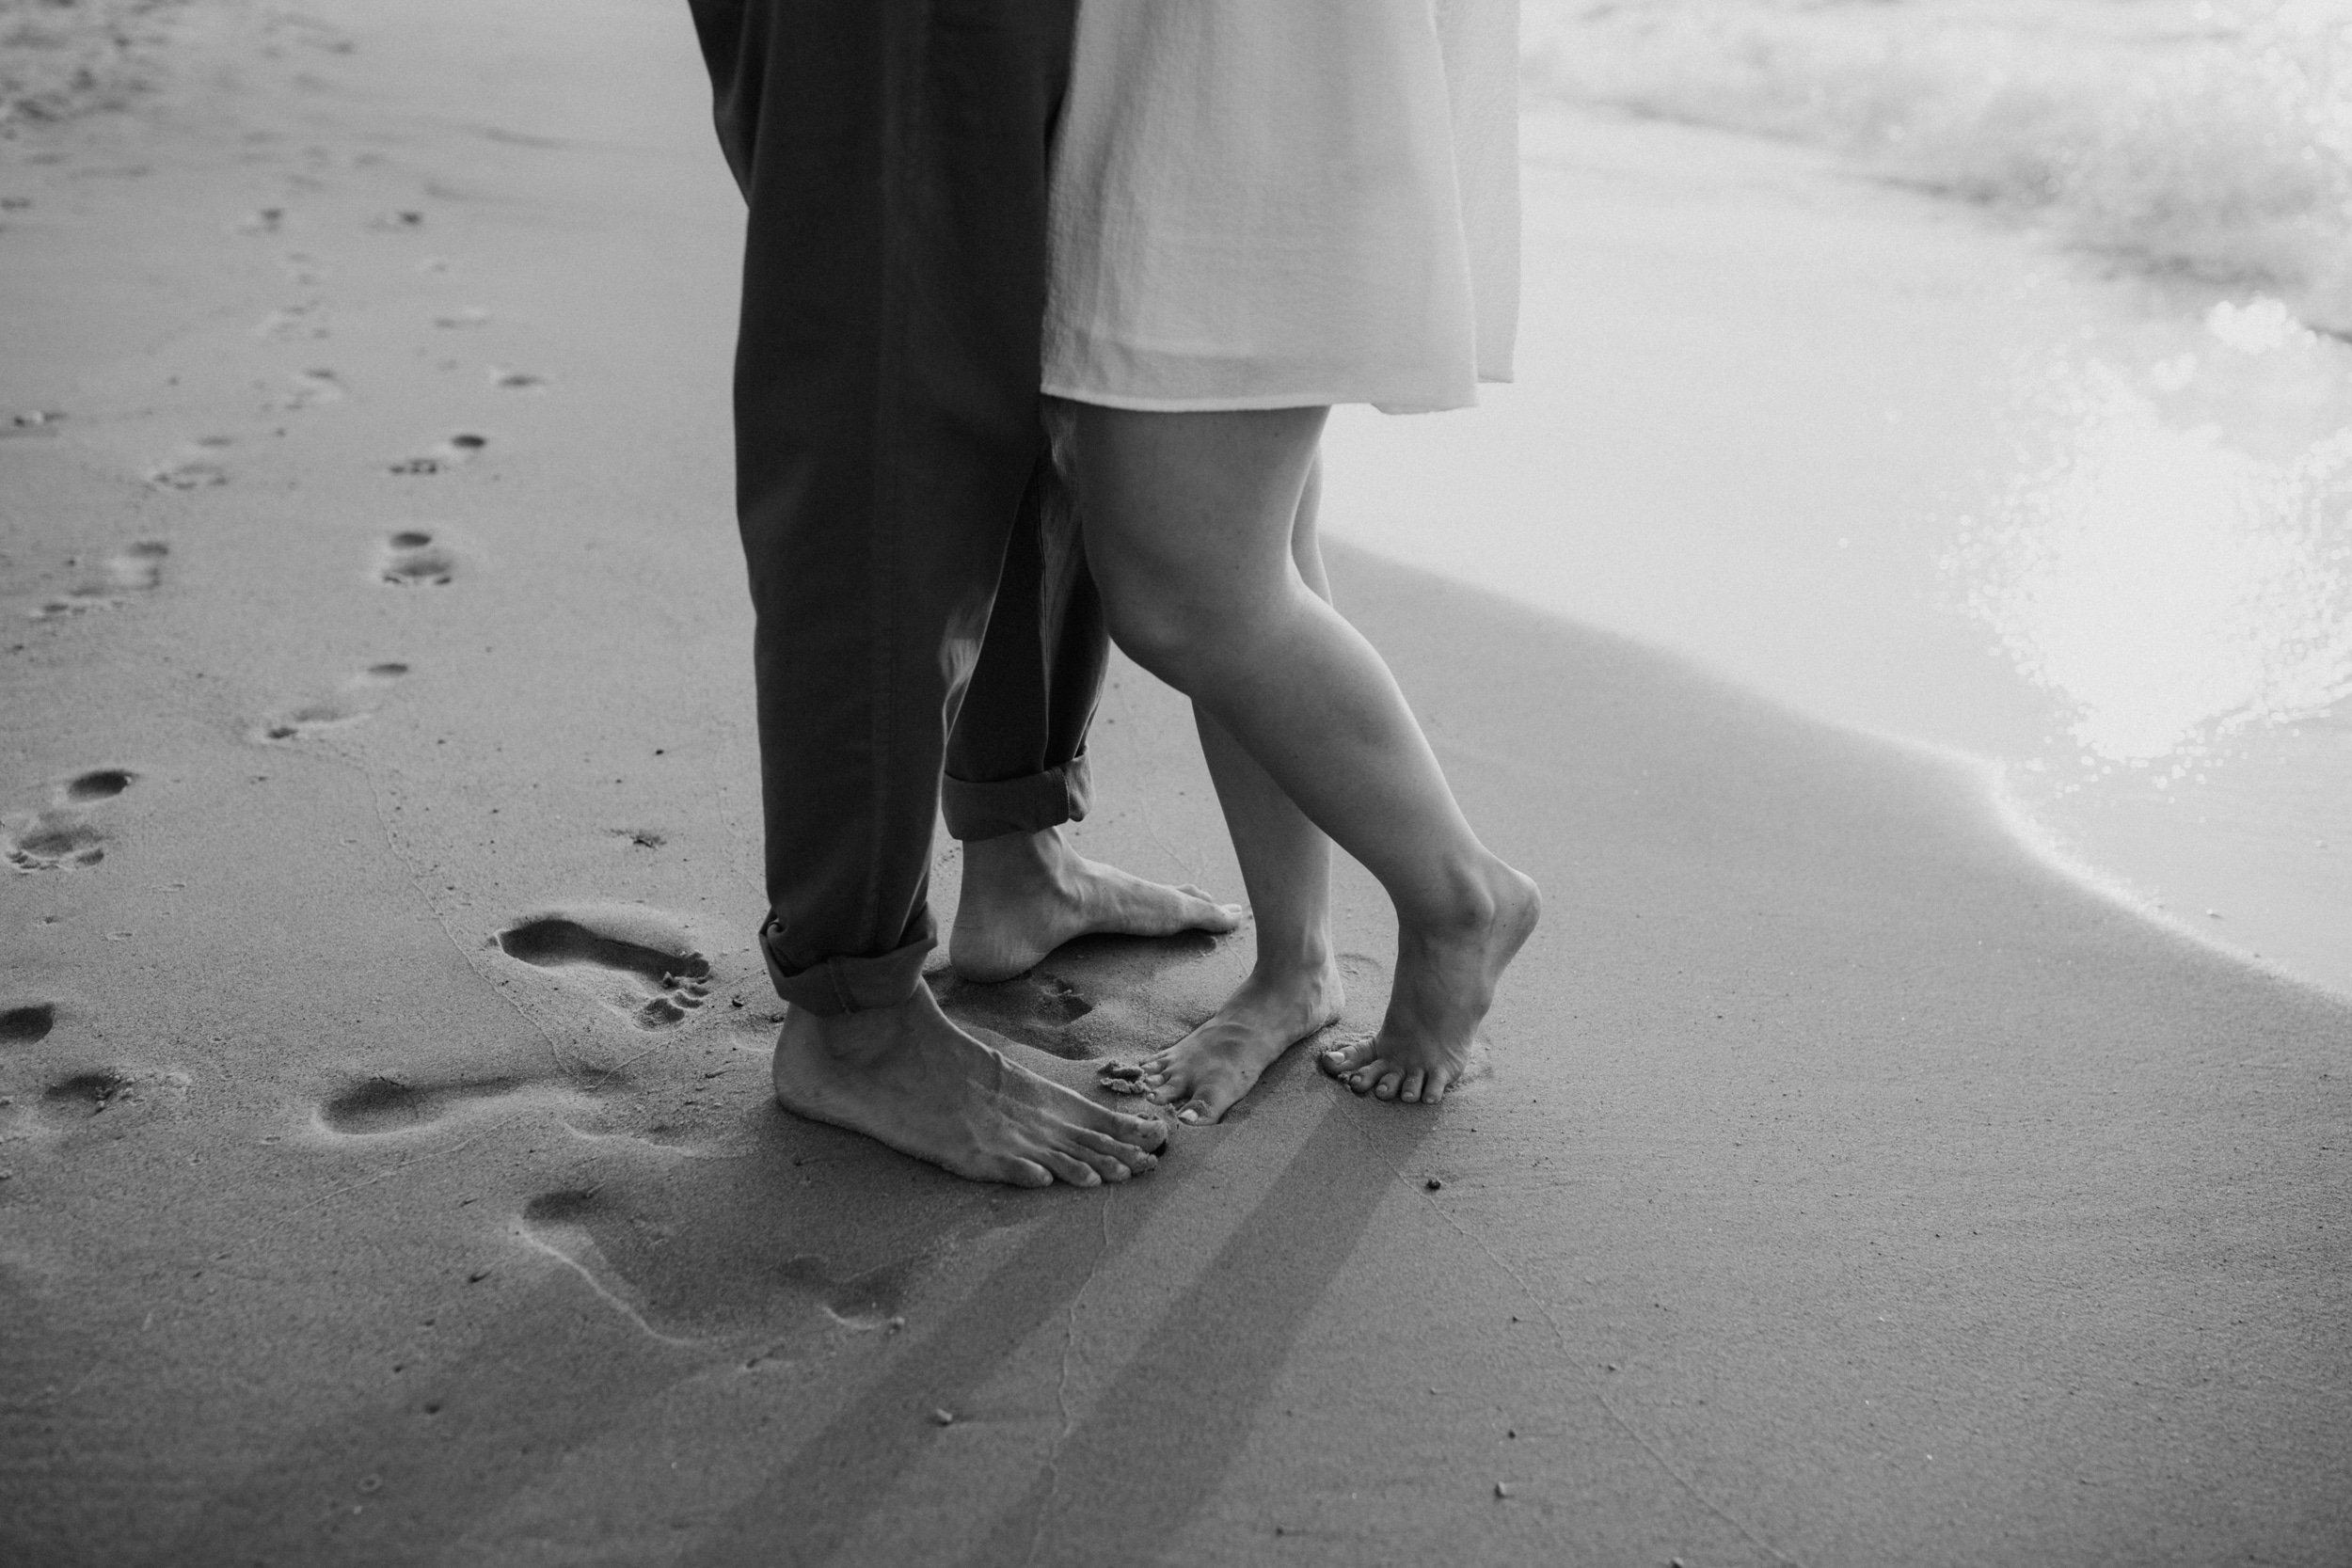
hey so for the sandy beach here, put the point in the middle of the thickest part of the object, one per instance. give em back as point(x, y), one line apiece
point(389, 1170)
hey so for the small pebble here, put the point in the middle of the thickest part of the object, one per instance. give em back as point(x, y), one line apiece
point(371, 1484)
point(1502, 1489)
point(1433, 1184)
point(477, 1277)
point(944, 1417)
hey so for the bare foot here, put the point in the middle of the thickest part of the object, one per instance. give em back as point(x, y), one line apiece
point(1445, 981)
point(1027, 893)
point(907, 1077)
point(1207, 1072)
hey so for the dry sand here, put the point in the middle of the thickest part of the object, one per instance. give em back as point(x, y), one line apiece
point(389, 1171)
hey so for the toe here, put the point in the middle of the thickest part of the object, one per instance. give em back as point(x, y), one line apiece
point(1386, 1087)
point(1196, 1112)
point(1410, 1092)
point(1433, 1091)
point(1026, 1173)
point(1207, 913)
point(1069, 1168)
point(1144, 1133)
point(1128, 1155)
point(1347, 1056)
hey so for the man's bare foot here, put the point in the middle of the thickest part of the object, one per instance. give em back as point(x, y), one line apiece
point(1027, 893)
point(1445, 981)
point(907, 1077)
point(1204, 1075)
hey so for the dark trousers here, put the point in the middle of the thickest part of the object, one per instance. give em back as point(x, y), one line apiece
point(924, 607)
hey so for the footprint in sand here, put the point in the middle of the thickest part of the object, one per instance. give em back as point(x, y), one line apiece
point(99, 784)
point(311, 389)
point(301, 322)
point(195, 468)
point(1035, 1009)
point(87, 1094)
point(135, 569)
point(459, 449)
point(62, 836)
point(638, 963)
point(388, 1103)
point(119, 1094)
point(51, 839)
point(700, 1291)
point(349, 705)
point(27, 1023)
point(414, 557)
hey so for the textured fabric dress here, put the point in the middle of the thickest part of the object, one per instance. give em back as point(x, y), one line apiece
point(1269, 203)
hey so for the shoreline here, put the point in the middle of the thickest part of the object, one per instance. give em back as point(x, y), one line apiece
point(1776, 481)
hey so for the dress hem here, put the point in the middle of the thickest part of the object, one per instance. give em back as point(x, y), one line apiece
point(1257, 399)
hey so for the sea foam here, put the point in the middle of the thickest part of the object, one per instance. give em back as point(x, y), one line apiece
point(2211, 141)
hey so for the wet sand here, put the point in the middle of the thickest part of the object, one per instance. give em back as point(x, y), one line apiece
point(389, 1172)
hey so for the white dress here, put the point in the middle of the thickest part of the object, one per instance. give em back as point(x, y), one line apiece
point(1269, 203)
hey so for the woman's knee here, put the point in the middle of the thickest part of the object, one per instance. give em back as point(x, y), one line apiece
point(1161, 631)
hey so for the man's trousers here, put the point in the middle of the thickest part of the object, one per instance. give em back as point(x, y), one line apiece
point(923, 603)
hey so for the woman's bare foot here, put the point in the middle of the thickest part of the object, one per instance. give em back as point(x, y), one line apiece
point(907, 1077)
point(1204, 1075)
point(1445, 981)
point(1027, 893)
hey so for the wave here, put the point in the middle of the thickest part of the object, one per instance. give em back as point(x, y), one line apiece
point(2206, 141)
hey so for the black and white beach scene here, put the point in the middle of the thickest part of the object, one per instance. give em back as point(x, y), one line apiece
point(1032, 783)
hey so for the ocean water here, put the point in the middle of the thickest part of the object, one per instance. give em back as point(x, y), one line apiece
point(2159, 556)
point(2208, 139)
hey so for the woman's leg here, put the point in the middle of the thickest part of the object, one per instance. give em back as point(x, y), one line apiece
point(1295, 987)
point(1188, 521)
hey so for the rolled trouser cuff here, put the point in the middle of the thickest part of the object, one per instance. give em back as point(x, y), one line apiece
point(831, 987)
point(1023, 805)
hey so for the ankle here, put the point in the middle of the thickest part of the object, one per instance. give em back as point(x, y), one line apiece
point(1015, 863)
point(859, 1039)
point(1288, 963)
point(1467, 900)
